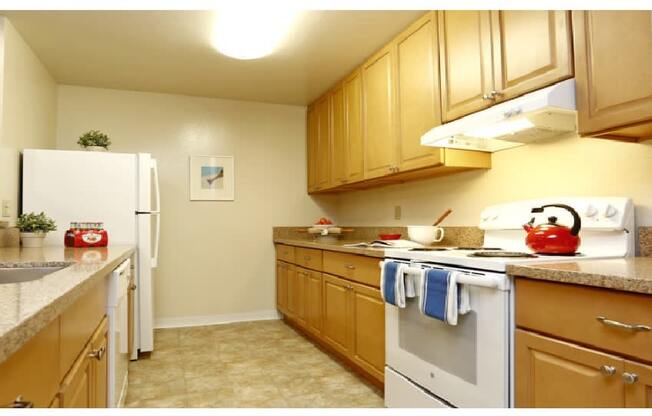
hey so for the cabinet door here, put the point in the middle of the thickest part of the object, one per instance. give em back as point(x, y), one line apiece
point(638, 393)
point(532, 49)
point(465, 62)
point(301, 295)
point(379, 112)
point(368, 329)
point(339, 146)
point(552, 373)
point(336, 313)
point(281, 287)
point(293, 288)
point(77, 387)
point(613, 68)
point(419, 108)
point(323, 154)
point(311, 157)
point(353, 112)
point(314, 302)
point(99, 358)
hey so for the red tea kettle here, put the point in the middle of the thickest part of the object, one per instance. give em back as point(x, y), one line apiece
point(552, 238)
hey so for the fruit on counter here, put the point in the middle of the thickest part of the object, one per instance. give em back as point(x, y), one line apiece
point(324, 221)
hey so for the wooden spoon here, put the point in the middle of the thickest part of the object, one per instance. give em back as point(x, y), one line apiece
point(442, 217)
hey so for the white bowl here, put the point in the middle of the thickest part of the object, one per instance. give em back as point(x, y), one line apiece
point(425, 234)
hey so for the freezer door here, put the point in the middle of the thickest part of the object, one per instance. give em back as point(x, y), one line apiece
point(82, 186)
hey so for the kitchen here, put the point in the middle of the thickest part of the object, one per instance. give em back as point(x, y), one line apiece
point(358, 146)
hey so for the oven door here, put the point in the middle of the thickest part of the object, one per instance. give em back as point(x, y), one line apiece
point(466, 365)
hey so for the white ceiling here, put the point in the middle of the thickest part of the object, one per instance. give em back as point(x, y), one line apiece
point(170, 51)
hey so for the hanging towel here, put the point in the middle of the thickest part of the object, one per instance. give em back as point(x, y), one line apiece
point(392, 283)
point(441, 297)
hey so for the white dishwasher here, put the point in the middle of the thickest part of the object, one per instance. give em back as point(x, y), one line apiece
point(118, 313)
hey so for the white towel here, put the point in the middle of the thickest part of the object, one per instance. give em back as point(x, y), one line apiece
point(453, 307)
point(399, 285)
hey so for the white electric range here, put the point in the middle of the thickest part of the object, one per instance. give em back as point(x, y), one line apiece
point(432, 364)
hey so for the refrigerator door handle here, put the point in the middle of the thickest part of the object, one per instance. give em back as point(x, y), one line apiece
point(157, 212)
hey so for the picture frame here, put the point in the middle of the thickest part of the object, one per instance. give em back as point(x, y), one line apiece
point(212, 178)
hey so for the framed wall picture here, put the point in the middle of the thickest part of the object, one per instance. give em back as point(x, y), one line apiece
point(212, 178)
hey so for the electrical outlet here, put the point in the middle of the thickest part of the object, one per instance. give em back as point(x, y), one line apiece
point(397, 212)
point(5, 208)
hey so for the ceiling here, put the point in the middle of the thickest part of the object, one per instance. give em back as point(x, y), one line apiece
point(170, 51)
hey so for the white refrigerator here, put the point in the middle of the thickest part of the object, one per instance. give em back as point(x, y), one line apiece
point(119, 189)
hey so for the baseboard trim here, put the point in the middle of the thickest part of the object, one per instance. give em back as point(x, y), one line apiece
point(187, 321)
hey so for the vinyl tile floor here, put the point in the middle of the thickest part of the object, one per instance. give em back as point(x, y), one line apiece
point(251, 364)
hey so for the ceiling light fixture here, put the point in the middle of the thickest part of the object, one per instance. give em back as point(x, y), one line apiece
point(251, 34)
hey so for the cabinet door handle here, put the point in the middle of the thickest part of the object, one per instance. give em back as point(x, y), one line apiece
point(350, 267)
point(132, 286)
point(98, 353)
point(20, 403)
point(608, 370)
point(630, 378)
point(620, 325)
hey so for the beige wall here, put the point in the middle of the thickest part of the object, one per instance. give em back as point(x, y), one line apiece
point(28, 109)
point(216, 257)
point(564, 167)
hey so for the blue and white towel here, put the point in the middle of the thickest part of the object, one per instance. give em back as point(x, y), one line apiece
point(441, 297)
point(395, 286)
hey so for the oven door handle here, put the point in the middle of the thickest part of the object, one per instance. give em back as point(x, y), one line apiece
point(491, 282)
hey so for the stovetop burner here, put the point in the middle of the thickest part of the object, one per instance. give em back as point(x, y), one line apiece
point(429, 249)
point(502, 254)
point(469, 248)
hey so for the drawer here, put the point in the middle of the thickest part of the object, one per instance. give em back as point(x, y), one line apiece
point(309, 258)
point(361, 269)
point(33, 371)
point(285, 253)
point(571, 312)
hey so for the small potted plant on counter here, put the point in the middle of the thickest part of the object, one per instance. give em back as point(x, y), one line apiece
point(94, 140)
point(33, 228)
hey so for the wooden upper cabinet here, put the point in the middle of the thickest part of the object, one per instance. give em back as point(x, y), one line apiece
point(313, 135)
point(465, 59)
point(532, 49)
point(339, 145)
point(613, 71)
point(551, 373)
point(353, 122)
point(379, 112)
point(323, 149)
point(419, 108)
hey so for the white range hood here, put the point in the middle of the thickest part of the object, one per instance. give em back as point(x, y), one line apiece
point(542, 114)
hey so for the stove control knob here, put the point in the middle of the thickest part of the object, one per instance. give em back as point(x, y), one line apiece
point(591, 211)
point(610, 211)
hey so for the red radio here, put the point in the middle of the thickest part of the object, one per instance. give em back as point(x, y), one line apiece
point(86, 234)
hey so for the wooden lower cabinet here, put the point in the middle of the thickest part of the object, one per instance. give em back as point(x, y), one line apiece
point(336, 306)
point(313, 288)
point(98, 353)
point(552, 373)
point(282, 287)
point(346, 316)
point(77, 388)
point(639, 393)
point(368, 329)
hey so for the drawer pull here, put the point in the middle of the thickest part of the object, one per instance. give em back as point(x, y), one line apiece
point(97, 354)
point(20, 403)
point(620, 325)
point(608, 370)
point(350, 267)
point(630, 378)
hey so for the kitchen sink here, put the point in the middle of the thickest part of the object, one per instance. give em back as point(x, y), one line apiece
point(26, 274)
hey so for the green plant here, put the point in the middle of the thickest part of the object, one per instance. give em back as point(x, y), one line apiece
point(32, 223)
point(94, 138)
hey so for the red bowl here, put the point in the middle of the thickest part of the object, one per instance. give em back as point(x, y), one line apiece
point(389, 236)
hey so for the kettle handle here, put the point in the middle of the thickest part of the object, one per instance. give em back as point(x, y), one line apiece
point(577, 221)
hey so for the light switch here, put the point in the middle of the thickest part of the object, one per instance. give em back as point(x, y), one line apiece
point(397, 212)
point(6, 204)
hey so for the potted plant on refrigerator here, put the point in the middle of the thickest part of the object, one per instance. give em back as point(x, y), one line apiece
point(94, 140)
point(33, 228)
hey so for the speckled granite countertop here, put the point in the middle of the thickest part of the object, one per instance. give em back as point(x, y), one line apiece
point(27, 307)
point(339, 246)
point(632, 274)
